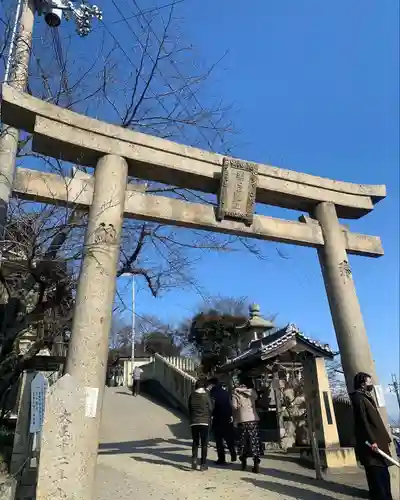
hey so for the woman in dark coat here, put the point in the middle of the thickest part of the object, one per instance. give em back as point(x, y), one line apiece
point(370, 427)
point(200, 411)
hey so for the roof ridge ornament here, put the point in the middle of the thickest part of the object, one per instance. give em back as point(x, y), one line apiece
point(292, 328)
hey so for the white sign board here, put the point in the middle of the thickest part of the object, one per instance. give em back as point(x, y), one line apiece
point(38, 395)
point(380, 396)
point(92, 396)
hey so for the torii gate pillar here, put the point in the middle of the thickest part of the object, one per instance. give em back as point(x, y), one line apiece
point(345, 309)
point(71, 428)
point(346, 313)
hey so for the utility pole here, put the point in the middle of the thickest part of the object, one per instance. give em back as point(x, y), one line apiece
point(18, 78)
point(133, 321)
point(394, 387)
point(133, 329)
point(17, 74)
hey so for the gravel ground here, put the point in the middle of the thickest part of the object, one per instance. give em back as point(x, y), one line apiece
point(145, 454)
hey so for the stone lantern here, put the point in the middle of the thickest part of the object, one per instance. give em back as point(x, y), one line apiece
point(255, 328)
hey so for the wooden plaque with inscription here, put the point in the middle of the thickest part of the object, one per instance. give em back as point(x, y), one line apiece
point(238, 190)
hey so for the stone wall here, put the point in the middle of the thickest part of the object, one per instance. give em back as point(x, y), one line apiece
point(344, 421)
point(293, 416)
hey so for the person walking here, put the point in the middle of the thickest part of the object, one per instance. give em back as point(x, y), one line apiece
point(368, 426)
point(200, 412)
point(243, 402)
point(222, 421)
point(136, 376)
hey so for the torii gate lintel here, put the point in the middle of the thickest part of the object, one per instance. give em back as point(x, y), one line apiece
point(73, 406)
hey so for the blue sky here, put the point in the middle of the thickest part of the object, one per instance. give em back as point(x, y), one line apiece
point(314, 87)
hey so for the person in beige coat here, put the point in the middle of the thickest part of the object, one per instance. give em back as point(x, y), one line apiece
point(243, 401)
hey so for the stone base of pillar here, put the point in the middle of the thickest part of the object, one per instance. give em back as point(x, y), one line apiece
point(8, 489)
point(62, 472)
point(394, 476)
point(331, 458)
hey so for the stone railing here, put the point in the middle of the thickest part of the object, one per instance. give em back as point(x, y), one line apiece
point(173, 379)
point(185, 364)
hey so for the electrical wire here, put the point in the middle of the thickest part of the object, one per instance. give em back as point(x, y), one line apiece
point(59, 55)
point(149, 11)
point(205, 138)
point(133, 65)
point(57, 47)
point(175, 66)
point(12, 41)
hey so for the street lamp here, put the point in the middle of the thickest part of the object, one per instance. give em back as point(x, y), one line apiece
point(132, 276)
point(82, 14)
point(16, 72)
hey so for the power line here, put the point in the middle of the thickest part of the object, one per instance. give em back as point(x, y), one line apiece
point(175, 66)
point(58, 51)
point(184, 122)
point(394, 387)
point(149, 11)
point(141, 76)
point(154, 62)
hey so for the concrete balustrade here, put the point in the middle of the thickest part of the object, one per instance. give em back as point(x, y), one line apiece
point(173, 379)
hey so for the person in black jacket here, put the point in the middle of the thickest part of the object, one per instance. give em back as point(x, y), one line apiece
point(370, 427)
point(222, 422)
point(200, 412)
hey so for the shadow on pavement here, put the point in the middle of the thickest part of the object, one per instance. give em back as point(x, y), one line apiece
point(171, 452)
point(293, 491)
point(283, 457)
point(328, 486)
point(180, 430)
point(144, 446)
point(161, 449)
point(165, 462)
point(174, 453)
point(173, 460)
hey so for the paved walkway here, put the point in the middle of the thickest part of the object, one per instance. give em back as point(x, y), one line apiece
point(145, 454)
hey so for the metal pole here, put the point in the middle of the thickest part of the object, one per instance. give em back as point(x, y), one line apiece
point(133, 319)
point(12, 41)
point(395, 387)
point(314, 442)
point(18, 78)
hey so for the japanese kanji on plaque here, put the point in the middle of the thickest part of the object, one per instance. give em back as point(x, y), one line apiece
point(38, 394)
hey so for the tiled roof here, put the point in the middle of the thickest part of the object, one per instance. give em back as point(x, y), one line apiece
point(277, 339)
point(289, 332)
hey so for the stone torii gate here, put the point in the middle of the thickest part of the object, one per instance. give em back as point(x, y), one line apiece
point(71, 428)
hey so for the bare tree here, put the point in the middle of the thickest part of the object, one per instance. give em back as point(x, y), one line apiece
point(155, 86)
point(38, 291)
point(151, 335)
point(336, 378)
point(150, 83)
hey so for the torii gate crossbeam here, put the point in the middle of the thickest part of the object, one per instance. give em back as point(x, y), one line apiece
point(71, 428)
